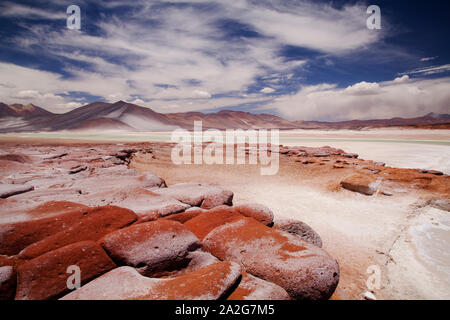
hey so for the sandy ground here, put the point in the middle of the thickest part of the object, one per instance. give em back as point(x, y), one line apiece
point(406, 239)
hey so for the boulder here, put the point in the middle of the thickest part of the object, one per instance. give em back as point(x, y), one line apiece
point(45, 277)
point(154, 248)
point(299, 229)
point(9, 190)
point(125, 283)
point(256, 211)
point(207, 221)
point(7, 282)
point(196, 194)
point(360, 183)
point(97, 223)
point(302, 269)
point(253, 288)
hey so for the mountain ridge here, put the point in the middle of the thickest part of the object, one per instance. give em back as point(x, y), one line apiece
point(124, 116)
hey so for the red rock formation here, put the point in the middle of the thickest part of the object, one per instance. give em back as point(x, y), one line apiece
point(302, 269)
point(45, 277)
point(154, 248)
point(125, 283)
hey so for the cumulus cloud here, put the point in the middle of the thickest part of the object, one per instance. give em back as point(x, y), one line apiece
point(363, 89)
point(393, 98)
point(401, 79)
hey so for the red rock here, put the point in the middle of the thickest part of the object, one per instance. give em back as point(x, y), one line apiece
point(256, 211)
point(17, 236)
point(359, 183)
point(97, 223)
point(207, 221)
point(185, 216)
point(253, 288)
point(53, 208)
point(125, 283)
point(302, 269)
point(154, 248)
point(300, 229)
point(45, 277)
point(195, 194)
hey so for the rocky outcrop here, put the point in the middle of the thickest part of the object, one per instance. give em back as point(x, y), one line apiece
point(154, 248)
point(135, 238)
point(302, 269)
point(46, 276)
point(360, 183)
point(300, 229)
point(125, 283)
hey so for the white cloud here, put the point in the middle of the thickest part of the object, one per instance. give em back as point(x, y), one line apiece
point(427, 59)
point(406, 98)
point(267, 90)
point(401, 79)
point(363, 89)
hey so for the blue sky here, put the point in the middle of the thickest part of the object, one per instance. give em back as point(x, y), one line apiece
point(307, 60)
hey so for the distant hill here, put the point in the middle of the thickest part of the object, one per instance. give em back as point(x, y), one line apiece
point(23, 111)
point(431, 121)
point(123, 116)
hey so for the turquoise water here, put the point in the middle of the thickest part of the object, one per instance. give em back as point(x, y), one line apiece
point(167, 138)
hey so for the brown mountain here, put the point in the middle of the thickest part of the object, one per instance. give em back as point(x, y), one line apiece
point(123, 116)
point(228, 119)
point(23, 111)
point(429, 121)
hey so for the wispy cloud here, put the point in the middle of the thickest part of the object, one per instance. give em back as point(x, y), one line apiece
point(430, 70)
point(187, 46)
point(15, 10)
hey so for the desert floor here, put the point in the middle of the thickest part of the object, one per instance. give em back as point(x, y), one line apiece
point(401, 235)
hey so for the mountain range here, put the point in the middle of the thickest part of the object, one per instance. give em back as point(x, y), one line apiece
point(123, 116)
